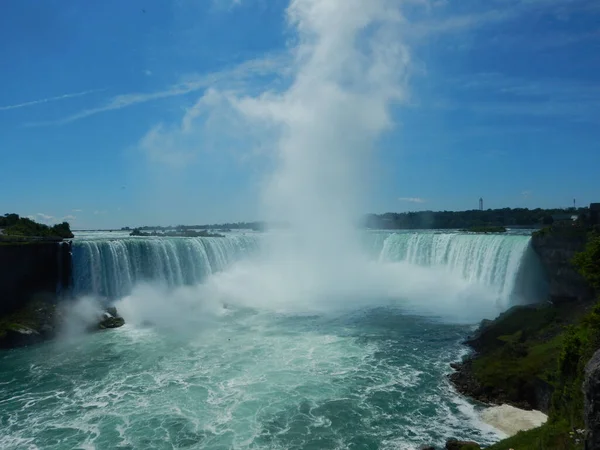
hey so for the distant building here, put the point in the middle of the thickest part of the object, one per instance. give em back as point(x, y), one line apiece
point(595, 213)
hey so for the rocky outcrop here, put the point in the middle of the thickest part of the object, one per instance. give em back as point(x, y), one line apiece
point(33, 271)
point(110, 319)
point(536, 395)
point(556, 250)
point(40, 321)
point(37, 322)
point(591, 392)
point(512, 354)
point(455, 444)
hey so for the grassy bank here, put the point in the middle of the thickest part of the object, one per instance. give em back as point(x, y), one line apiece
point(535, 357)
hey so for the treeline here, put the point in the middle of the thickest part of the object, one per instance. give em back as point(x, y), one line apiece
point(256, 226)
point(506, 217)
point(175, 233)
point(13, 225)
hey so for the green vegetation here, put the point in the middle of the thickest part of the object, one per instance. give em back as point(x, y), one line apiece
point(256, 226)
point(16, 226)
point(561, 361)
point(32, 316)
point(519, 352)
point(577, 230)
point(551, 345)
point(505, 217)
point(556, 436)
point(588, 261)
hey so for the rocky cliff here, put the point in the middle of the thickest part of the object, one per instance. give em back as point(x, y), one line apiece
point(556, 250)
point(591, 392)
point(33, 271)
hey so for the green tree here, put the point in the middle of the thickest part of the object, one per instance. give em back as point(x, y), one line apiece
point(588, 261)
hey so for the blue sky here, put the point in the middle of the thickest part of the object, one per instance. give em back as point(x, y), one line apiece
point(110, 112)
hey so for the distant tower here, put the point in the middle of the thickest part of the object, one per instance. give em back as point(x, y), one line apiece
point(574, 204)
point(481, 204)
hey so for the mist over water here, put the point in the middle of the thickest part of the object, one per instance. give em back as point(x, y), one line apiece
point(320, 336)
point(348, 70)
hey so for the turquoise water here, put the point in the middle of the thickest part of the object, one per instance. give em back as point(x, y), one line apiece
point(227, 349)
point(370, 378)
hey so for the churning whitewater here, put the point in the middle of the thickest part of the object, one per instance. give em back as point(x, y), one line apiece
point(197, 367)
point(319, 336)
point(110, 268)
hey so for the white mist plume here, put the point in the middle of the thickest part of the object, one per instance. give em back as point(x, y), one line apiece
point(349, 67)
point(349, 70)
point(79, 316)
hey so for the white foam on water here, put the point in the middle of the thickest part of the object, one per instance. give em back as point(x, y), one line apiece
point(251, 379)
point(511, 420)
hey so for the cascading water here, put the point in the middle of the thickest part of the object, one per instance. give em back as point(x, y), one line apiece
point(495, 261)
point(110, 268)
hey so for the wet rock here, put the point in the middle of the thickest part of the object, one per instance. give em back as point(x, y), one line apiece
point(111, 319)
point(591, 392)
point(20, 337)
point(465, 382)
point(454, 444)
point(556, 250)
point(111, 322)
point(32, 324)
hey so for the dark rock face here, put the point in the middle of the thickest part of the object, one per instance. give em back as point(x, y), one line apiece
point(111, 319)
point(591, 392)
point(454, 444)
point(33, 271)
point(40, 321)
point(37, 322)
point(486, 335)
point(466, 383)
point(556, 251)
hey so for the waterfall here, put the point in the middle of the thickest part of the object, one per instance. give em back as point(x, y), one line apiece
point(111, 267)
point(503, 263)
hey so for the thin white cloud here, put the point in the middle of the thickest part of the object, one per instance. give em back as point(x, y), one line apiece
point(211, 124)
point(45, 216)
point(494, 12)
point(244, 71)
point(77, 210)
point(98, 212)
point(47, 100)
point(69, 218)
point(147, 72)
point(412, 199)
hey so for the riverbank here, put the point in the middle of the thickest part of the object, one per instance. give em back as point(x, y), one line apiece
point(533, 358)
point(544, 357)
point(39, 321)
